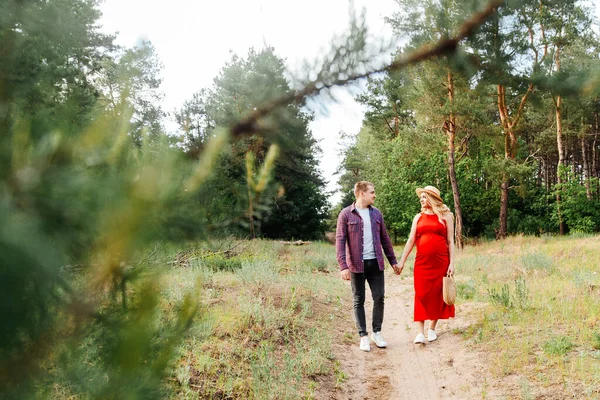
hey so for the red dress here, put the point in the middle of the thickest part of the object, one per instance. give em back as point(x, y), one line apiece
point(431, 265)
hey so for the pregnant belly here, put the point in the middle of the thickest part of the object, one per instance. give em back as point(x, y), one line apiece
point(432, 244)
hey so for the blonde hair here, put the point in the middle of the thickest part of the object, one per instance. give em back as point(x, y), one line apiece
point(437, 206)
point(361, 186)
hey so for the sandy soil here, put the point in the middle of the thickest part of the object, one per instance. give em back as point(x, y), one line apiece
point(444, 369)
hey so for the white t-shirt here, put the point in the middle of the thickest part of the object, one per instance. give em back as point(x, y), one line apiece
point(368, 249)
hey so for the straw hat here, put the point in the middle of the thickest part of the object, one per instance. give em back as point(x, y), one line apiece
point(430, 190)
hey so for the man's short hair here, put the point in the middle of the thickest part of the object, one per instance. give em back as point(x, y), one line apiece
point(361, 186)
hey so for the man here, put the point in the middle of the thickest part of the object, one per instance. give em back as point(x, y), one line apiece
point(359, 238)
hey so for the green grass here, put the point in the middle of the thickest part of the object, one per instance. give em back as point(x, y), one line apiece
point(559, 345)
point(466, 290)
point(265, 330)
point(596, 341)
point(541, 314)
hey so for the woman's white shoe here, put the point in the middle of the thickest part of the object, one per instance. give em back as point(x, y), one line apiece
point(420, 339)
point(431, 335)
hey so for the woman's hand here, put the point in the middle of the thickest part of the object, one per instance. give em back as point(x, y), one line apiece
point(398, 269)
point(450, 270)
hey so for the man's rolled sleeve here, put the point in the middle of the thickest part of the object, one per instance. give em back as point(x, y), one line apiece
point(341, 236)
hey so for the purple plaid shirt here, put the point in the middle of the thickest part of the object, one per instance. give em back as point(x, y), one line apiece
point(349, 239)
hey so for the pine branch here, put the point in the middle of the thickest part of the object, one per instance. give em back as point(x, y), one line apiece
point(251, 125)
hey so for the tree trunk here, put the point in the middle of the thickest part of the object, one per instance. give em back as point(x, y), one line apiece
point(586, 168)
point(501, 234)
point(509, 124)
point(560, 170)
point(547, 176)
point(455, 193)
point(545, 172)
point(510, 151)
point(594, 156)
point(450, 128)
point(594, 144)
point(502, 231)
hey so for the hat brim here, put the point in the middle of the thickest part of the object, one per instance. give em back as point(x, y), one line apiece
point(429, 192)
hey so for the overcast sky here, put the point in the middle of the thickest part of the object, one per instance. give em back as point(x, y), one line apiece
point(194, 39)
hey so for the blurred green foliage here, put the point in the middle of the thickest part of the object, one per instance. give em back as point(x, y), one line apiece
point(89, 182)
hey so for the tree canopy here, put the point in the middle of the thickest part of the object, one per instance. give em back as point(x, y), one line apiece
point(517, 101)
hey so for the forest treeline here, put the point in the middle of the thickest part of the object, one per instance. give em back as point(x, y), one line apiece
point(507, 127)
point(61, 74)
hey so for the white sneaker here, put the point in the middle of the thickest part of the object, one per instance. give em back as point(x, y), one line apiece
point(364, 343)
point(431, 335)
point(420, 339)
point(377, 338)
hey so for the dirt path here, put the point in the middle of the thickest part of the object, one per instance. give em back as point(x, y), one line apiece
point(444, 369)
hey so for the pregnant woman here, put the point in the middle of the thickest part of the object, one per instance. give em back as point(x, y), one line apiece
point(433, 233)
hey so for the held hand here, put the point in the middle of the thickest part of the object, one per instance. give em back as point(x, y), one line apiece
point(450, 270)
point(345, 274)
point(398, 269)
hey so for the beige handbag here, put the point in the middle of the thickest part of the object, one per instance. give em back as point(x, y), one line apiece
point(449, 289)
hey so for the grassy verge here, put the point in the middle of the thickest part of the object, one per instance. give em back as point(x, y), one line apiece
point(539, 320)
point(265, 330)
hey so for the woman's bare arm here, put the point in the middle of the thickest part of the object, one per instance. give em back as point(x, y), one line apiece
point(449, 218)
point(411, 241)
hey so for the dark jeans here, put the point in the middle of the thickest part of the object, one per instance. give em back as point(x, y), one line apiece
point(376, 281)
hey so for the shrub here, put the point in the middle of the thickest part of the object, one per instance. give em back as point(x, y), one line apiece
point(559, 346)
point(466, 290)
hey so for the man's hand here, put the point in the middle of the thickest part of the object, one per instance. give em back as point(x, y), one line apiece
point(397, 269)
point(345, 274)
